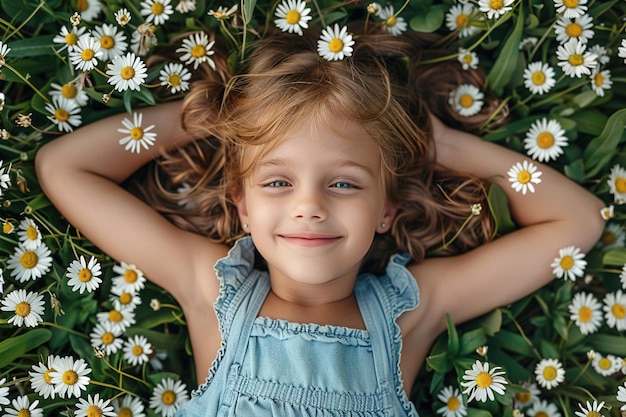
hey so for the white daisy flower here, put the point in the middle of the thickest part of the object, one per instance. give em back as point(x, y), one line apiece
point(621, 51)
point(592, 410)
point(64, 113)
point(129, 278)
point(23, 407)
point(606, 365)
point(580, 29)
point(528, 43)
point(175, 77)
point(621, 395)
point(84, 56)
point(586, 311)
point(467, 100)
point(617, 183)
point(186, 6)
point(89, 9)
point(570, 8)
point(573, 59)
point(1, 281)
point(5, 178)
point(70, 377)
point(84, 276)
point(120, 319)
point(495, 8)
point(545, 140)
point(453, 403)
point(167, 396)
point(622, 276)
point(524, 400)
point(523, 175)
point(137, 350)
point(613, 236)
point(395, 25)
point(94, 406)
point(143, 39)
point(542, 408)
point(157, 357)
point(4, 50)
point(335, 43)
point(106, 337)
point(27, 306)
point(223, 12)
point(127, 71)
point(601, 81)
point(539, 77)
point(71, 91)
point(4, 393)
point(157, 11)
point(615, 310)
point(69, 37)
point(607, 212)
point(196, 49)
point(570, 264)
point(468, 59)
point(602, 54)
point(481, 382)
point(549, 373)
point(123, 299)
point(2, 102)
point(459, 18)
point(112, 42)
point(28, 265)
point(138, 136)
point(29, 234)
point(122, 16)
point(129, 406)
point(292, 16)
point(40, 380)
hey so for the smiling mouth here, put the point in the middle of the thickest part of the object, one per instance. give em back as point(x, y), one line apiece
point(310, 240)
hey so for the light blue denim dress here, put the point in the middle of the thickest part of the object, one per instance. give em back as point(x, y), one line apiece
point(271, 367)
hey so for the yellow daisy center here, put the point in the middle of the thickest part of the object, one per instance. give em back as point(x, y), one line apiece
point(137, 350)
point(31, 232)
point(496, 4)
point(593, 413)
point(618, 310)
point(168, 397)
point(335, 45)
point(391, 21)
point(570, 4)
point(24, 412)
point(598, 80)
point(115, 316)
point(567, 262)
point(523, 397)
point(29, 259)
point(467, 59)
point(292, 17)
point(61, 115)
point(604, 363)
point(94, 411)
point(466, 100)
point(130, 276)
point(22, 309)
point(545, 140)
point(87, 54)
point(157, 8)
point(47, 377)
point(453, 404)
point(126, 298)
point(538, 78)
point(576, 60)
point(69, 90)
point(7, 228)
point(70, 377)
point(125, 412)
point(174, 79)
point(523, 177)
point(483, 380)
point(461, 20)
point(127, 73)
point(71, 38)
point(541, 414)
point(584, 314)
point(198, 51)
point(82, 5)
point(136, 133)
point(108, 338)
point(620, 185)
point(107, 42)
point(608, 238)
point(549, 373)
point(574, 30)
point(84, 275)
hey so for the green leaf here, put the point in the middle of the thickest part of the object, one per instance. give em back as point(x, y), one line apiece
point(469, 341)
point(512, 342)
point(247, 10)
point(504, 67)
point(602, 148)
point(453, 338)
point(429, 21)
point(477, 412)
point(575, 171)
point(440, 362)
point(499, 206)
point(15, 347)
point(606, 344)
point(548, 349)
point(615, 256)
point(33, 47)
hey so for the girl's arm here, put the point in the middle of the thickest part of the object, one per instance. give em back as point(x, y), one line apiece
point(81, 172)
point(559, 213)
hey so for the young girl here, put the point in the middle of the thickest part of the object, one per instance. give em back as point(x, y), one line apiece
point(318, 172)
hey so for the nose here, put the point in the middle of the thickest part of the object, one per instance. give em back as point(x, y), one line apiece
point(309, 204)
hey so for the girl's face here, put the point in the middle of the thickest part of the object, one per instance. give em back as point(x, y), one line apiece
point(314, 202)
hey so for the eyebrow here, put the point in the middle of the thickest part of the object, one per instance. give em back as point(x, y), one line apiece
point(339, 163)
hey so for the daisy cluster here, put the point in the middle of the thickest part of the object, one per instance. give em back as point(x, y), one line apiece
point(77, 335)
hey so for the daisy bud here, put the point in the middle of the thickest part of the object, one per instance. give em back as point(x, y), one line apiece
point(7, 227)
point(477, 209)
point(75, 19)
point(4, 134)
point(24, 120)
point(482, 350)
point(155, 304)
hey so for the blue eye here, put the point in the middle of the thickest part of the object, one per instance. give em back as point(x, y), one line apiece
point(277, 183)
point(341, 184)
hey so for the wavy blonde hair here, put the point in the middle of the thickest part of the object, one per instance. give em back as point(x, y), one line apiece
point(382, 87)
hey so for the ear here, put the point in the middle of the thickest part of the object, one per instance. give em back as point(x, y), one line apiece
point(389, 213)
point(240, 203)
